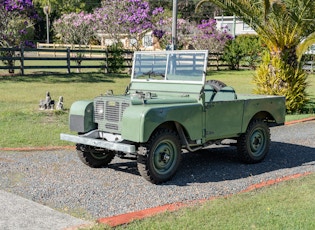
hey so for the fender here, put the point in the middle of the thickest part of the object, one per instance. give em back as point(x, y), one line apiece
point(139, 122)
point(272, 107)
point(81, 116)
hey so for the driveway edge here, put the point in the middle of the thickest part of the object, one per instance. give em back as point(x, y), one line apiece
point(117, 220)
point(299, 121)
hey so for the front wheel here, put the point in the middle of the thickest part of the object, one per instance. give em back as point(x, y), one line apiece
point(253, 145)
point(94, 157)
point(163, 157)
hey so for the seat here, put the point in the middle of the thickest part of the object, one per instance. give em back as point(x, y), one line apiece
point(209, 93)
point(227, 93)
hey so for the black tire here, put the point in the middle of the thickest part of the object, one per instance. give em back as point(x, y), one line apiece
point(163, 157)
point(94, 157)
point(253, 145)
point(216, 85)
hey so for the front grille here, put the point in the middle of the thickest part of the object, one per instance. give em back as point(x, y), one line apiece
point(112, 111)
point(111, 126)
point(99, 110)
point(109, 112)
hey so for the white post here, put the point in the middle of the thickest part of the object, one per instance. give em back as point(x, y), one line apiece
point(234, 25)
point(46, 12)
point(174, 25)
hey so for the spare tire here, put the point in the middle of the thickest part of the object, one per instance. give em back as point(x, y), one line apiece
point(216, 85)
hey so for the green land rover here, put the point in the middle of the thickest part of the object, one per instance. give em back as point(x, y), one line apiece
point(170, 107)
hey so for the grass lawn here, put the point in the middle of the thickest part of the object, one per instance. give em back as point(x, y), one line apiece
point(288, 205)
point(22, 124)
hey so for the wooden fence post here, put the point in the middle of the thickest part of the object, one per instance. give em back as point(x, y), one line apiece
point(22, 59)
point(106, 61)
point(68, 60)
point(217, 58)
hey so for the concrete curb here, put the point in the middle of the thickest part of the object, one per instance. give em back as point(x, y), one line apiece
point(298, 121)
point(31, 149)
point(114, 221)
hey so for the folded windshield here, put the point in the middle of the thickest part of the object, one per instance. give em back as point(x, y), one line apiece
point(170, 66)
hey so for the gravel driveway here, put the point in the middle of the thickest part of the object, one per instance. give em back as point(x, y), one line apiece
point(59, 180)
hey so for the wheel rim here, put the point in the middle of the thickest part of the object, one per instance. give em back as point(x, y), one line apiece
point(164, 157)
point(99, 155)
point(257, 142)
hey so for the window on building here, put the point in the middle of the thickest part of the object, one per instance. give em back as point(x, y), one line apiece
point(147, 40)
point(228, 27)
point(247, 27)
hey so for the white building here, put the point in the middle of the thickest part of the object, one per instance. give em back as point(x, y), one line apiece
point(233, 25)
point(236, 27)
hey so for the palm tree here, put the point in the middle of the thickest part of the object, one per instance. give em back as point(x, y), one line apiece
point(287, 27)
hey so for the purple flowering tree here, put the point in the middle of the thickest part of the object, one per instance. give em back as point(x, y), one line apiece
point(109, 20)
point(75, 29)
point(130, 18)
point(16, 25)
point(163, 32)
point(207, 37)
point(16, 22)
point(137, 16)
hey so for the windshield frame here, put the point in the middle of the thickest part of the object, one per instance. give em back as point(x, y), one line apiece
point(178, 66)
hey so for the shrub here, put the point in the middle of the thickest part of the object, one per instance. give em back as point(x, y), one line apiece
point(274, 77)
point(245, 49)
point(115, 60)
point(232, 54)
point(252, 49)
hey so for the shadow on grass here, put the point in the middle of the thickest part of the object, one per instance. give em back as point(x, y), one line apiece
point(227, 72)
point(53, 77)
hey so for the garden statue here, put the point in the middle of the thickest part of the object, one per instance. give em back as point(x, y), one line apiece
point(60, 103)
point(48, 103)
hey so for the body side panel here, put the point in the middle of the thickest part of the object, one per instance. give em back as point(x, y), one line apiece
point(140, 121)
point(274, 105)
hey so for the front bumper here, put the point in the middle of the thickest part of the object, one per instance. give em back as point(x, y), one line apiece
point(92, 141)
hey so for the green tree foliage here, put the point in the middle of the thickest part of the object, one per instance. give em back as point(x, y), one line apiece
point(59, 7)
point(115, 59)
point(16, 27)
point(245, 49)
point(56, 9)
point(252, 48)
point(287, 28)
point(233, 54)
point(275, 77)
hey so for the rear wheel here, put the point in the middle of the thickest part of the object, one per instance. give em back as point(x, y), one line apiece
point(253, 145)
point(94, 157)
point(163, 157)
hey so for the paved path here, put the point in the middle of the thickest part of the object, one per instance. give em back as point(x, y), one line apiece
point(20, 213)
